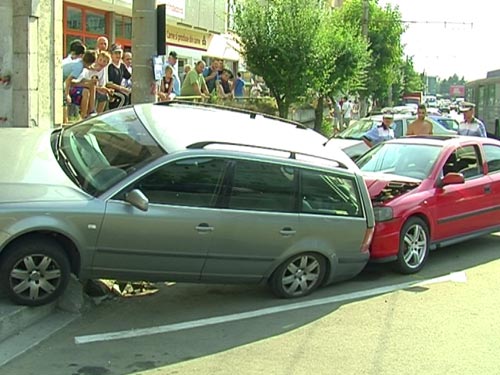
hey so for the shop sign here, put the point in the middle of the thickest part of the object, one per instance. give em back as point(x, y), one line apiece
point(190, 38)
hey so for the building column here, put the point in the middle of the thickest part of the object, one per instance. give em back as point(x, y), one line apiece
point(6, 8)
point(36, 71)
point(143, 48)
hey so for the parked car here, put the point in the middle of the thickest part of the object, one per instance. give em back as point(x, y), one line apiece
point(430, 192)
point(350, 139)
point(178, 192)
point(448, 122)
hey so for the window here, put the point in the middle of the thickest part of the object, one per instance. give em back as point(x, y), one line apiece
point(328, 194)
point(74, 18)
point(492, 158)
point(123, 27)
point(83, 23)
point(95, 23)
point(397, 127)
point(263, 187)
point(464, 160)
point(190, 182)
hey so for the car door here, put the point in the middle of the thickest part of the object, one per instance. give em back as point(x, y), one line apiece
point(463, 208)
point(258, 222)
point(492, 158)
point(172, 238)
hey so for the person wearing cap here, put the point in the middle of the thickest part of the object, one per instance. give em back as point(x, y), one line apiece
point(471, 125)
point(380, 133)
point(420, 126)
point(117, 72)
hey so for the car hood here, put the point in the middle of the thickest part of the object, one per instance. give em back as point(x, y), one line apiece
point(29, 170)
point(384, 187)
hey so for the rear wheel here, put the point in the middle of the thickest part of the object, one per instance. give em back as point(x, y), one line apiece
point(414, 244)
point(34, 271)
point(298, 276)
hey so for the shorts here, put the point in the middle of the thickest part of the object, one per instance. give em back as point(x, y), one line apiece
point(100, 97)
point(76, 95)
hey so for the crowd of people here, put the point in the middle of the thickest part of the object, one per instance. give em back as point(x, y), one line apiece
point(101, 79)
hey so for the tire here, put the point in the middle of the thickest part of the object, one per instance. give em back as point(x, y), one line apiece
point(414, 243)
point(298, 276)
point(34, 271)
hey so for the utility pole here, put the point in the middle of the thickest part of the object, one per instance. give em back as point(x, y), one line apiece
point(144, 47)
point(364, 30)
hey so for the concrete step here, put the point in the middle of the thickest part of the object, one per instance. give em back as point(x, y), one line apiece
point(23, 327)
point(14, 318)
point(31, 336)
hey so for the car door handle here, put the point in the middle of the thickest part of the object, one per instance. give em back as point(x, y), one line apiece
point(487, 189)
point(287, 231)
point(204, 227)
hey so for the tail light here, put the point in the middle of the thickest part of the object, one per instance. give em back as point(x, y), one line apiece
point(365, 245)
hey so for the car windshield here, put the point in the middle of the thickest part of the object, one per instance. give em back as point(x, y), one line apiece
point(100, 152)
point(357, 129)
point(404, 159)
point(449, 123)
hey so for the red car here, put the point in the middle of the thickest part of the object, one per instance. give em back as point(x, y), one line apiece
point(430, 192)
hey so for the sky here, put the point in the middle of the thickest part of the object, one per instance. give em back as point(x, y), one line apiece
point(451, 36)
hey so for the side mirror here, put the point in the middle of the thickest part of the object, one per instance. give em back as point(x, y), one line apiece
point(452, 179)
point(137, 199)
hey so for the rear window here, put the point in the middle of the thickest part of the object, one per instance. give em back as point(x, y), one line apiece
point(329, 194)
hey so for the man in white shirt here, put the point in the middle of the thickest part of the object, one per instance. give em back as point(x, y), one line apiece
point(346, 112)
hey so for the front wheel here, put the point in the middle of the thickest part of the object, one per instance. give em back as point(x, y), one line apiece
point(298, 276)
point(414, 244)
point(34, 271)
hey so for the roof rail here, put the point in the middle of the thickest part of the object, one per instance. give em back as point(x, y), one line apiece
point(293, 154)
point(252, 114)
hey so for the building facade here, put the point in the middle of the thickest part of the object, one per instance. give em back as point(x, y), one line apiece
point(195, 28)
point(35, 35)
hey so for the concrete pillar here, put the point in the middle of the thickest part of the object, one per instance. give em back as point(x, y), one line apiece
point(143, 48)
point(6, 9)
point(37, 50)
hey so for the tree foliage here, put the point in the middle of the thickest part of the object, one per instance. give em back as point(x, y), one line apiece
point(445, 84)
point(340, 57)
point(384, 37)
point(409, 80)
point(339, 62)
point(277, 39)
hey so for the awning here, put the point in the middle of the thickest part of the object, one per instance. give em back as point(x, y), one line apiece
point(223, 46)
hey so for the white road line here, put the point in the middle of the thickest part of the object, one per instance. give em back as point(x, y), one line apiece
point(453, 277)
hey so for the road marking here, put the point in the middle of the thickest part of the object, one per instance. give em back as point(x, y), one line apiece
point(118, 335)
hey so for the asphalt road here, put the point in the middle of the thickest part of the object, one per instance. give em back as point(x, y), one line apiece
point(450, 325)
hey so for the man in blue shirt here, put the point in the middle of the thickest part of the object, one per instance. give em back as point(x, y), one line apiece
point(471, 125)
point(380, 133)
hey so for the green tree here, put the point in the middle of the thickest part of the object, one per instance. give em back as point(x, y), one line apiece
point(339, 63)
point(277, 41)
point(385, 28)
point(408, 81)
point(445, 84)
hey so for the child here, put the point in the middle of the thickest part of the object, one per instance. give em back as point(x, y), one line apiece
point(78, 90)
point(99, 73)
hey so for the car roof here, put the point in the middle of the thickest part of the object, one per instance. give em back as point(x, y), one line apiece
point(443, 140)
point(396, 116)
point(180, 125)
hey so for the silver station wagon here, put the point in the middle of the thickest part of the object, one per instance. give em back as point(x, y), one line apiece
point(178, 192)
